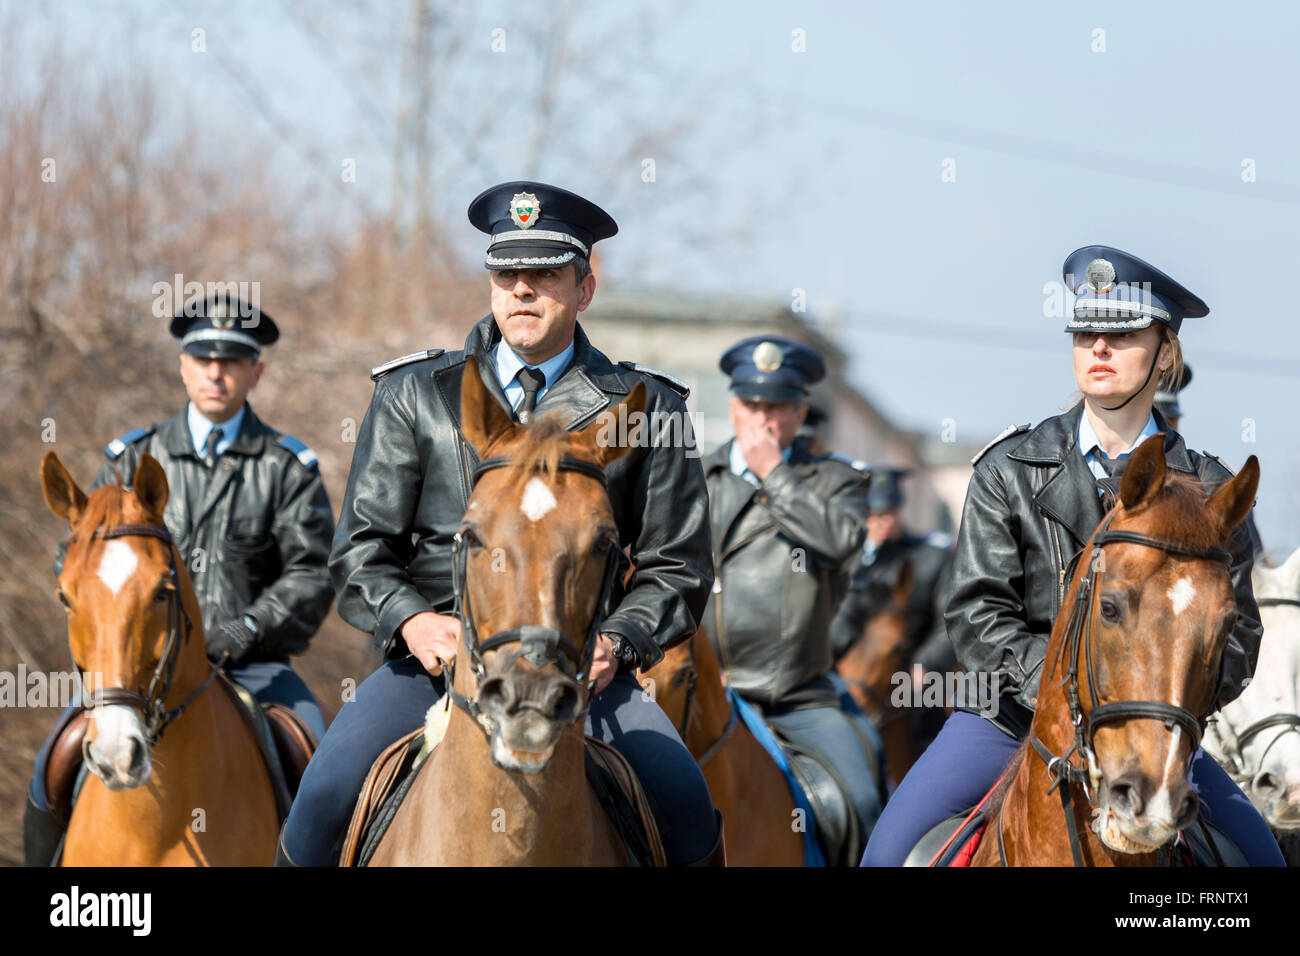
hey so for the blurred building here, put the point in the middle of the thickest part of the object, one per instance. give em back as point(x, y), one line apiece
point(684, 335)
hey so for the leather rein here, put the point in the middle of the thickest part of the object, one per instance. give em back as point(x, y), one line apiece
point(692, 680)
point(1062, 771)
point(538, 645)
point(151, 701)
point(1237, 741)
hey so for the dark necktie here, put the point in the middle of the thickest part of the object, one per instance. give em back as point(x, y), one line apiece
point(210, 447)
point(1114, 468)
point(532, 379)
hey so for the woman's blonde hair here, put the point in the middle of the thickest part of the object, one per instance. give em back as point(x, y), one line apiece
point(1171, 376)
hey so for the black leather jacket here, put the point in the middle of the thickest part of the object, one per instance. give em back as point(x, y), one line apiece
point(409, 487)
point(871, 586)
point(1031, 505)
point(781, 553)
point(255, 537)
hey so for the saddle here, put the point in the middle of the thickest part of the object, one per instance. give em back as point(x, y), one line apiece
point(839, 832)
point(396, 769)
point(284, 739)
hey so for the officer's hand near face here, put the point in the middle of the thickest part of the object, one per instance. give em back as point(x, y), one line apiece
point(433, 638)
point(759, 442)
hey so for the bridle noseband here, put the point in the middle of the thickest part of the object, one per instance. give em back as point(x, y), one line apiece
point(538, 645)
point(151, 701)
point(1060, 769)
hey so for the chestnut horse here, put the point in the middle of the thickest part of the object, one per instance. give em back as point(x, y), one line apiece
point(758, 810)
point(534, 563)
point(1130, 670)
point(187, 785)
point(869, 668)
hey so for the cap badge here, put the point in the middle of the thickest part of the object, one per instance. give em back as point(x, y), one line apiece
point(1100, 275)
point(524, 210)
point(221, 317)
point(767, 356)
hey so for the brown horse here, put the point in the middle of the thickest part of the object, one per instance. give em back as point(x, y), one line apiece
point(535, 558)
point(185, 786)
point(758, 810)
point(1131, 667)
point(870, 667)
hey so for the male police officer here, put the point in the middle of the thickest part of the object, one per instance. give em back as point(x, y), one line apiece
point(249, 515)
point(785, 524)
point(407, 495)
point(889, 544)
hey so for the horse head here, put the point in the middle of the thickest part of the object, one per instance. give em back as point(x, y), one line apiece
point(125, 594)
point(536, 559)
point(1257, 736)
point(1142, 645)
point(871, 665)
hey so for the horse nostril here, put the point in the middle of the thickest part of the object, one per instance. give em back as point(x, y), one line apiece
point(137, 756)
point(563, 703)
point(1267, 784)
point(495, 695)
point(1126, 796)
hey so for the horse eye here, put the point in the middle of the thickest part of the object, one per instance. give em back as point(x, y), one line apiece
point(161, 594)
point(470, 538)
point(63, 599)
point(1109, 612)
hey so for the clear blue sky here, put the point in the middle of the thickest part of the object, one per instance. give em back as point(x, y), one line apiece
point(821, 170)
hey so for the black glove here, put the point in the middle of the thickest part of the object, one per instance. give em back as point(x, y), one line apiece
point(235, 637)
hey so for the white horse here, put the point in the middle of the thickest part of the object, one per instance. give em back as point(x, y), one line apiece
point(1256, 738)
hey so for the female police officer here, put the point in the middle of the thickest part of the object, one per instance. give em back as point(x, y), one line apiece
point(1033, 501)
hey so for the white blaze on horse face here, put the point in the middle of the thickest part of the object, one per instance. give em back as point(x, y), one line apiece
point(538, 501)
point(1181, 594)
point(117, 564)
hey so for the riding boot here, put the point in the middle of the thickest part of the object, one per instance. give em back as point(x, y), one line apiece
point(718, 855)
point(281, 854)
point(43, 831)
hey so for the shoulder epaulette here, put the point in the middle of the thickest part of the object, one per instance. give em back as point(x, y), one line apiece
point(676, 384)
point(1005, 433)
point(304, 454)
point(420, 356)
point(118, 445)
point(1223, 464)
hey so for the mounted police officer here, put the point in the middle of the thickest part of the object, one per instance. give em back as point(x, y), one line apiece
point(785, 525)
point(1033, 502)
point(407, 494)
point(890, 546)
point(248, 512)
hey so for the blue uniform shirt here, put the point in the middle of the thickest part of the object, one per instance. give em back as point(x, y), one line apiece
point(1090, 444)
point(200, 425)
point(508, 366)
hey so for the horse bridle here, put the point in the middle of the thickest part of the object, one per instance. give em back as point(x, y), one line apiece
point(538, 645)
point(1059, 767)
point(692, 681)
point(151, 701)
point(1290, 721)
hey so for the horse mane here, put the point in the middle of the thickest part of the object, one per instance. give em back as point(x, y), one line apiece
point(999, 795)
point(539, 449)
point(1178, 513)
point(104, 509)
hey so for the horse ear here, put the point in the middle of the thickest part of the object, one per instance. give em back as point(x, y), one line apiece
point(614, 432)
point(150, 485)
point(1236, 497)
point(62, 494)
point(1145, 474)
point(482, 419)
